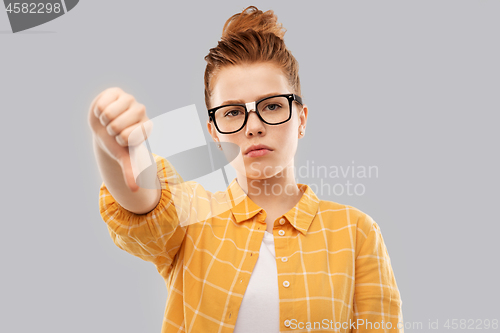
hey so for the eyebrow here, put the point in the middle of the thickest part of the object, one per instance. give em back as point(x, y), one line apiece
point(240, 101)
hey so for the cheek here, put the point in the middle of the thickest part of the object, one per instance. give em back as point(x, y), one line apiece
point(290, 134)
point(292, 137)
point(233, 139)
point(232, 148)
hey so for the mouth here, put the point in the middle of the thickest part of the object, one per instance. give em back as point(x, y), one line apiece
point(257, 150)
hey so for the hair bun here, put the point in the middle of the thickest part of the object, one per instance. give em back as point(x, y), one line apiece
point(252, 18)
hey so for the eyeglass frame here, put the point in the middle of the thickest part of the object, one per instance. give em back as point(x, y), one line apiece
point(291, 98)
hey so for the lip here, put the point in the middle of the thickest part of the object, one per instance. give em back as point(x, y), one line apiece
point(256, 147)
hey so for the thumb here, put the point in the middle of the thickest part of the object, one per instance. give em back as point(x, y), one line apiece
point(127, 172)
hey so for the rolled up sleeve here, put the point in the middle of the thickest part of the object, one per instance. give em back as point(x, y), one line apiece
point(156, 236)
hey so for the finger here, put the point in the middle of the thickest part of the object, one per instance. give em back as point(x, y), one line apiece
point(116, 108)
point(135, 135)
point(105, 98)
point(130, 116)
point(93, 105)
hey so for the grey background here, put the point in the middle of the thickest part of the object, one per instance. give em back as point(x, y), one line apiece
point(411, 88)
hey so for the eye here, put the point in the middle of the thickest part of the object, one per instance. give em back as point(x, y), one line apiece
point(232, 113)
point(272, 107)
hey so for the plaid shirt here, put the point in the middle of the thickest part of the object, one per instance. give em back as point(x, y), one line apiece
point(334, 272)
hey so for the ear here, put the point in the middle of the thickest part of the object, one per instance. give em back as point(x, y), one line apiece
point(212, 131)
point(303, 117)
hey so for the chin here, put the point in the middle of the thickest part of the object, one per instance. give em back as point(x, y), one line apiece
point(256, 169)
point(263, 170)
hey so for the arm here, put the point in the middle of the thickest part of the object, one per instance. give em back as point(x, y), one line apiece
point(140, 202)
point(142, 220)
point(377, 302)
point(156, 235)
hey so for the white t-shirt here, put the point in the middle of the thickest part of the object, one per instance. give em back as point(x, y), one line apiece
point(259, 310)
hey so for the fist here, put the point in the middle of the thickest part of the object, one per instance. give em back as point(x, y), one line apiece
point(113, 116)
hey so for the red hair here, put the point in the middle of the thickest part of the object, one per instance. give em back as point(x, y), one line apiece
point(251, 36)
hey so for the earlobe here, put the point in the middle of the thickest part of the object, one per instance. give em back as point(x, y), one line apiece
point(302, 121)
point(210, 129)
point(212, 133)
point(301, 131)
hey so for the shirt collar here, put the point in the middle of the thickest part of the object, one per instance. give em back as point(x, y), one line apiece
point(300, 216)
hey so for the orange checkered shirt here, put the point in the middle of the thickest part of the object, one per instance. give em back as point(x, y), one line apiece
point(334, 272)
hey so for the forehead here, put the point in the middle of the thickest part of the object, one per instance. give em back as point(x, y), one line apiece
point(248, 82)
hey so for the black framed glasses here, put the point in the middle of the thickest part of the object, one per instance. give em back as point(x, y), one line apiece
point(273, 110)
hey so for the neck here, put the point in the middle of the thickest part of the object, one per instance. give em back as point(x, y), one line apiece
point(280, 190)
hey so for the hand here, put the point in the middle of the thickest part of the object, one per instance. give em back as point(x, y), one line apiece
point(113, 115)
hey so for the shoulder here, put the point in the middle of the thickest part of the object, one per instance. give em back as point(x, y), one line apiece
point(346, 215)
point(193, 202)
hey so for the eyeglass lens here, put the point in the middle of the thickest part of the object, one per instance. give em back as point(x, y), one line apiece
point(273, 110)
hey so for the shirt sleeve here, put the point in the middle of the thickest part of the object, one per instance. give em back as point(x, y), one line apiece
point(156, 236)
point(377, 301)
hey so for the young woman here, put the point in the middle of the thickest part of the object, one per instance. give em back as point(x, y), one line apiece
point(266, 254)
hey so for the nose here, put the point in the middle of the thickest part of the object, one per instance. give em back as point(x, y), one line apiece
point(254, 125)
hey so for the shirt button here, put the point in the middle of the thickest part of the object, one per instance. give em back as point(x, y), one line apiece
point(284, 259)
point(282, 221)
point(281, 232)
point(286, 284)
point(287, 323)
